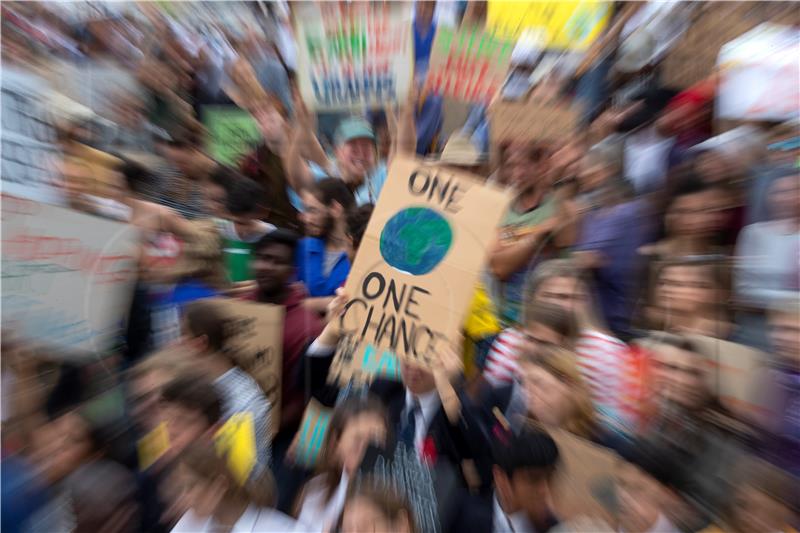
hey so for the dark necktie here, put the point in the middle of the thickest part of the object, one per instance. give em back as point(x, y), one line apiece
point(408, 426)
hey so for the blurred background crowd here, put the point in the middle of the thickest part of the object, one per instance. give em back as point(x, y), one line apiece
point(641, 303)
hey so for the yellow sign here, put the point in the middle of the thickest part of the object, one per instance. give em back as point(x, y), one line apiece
point(153, 446)
point(569, 25)
point(236, 440)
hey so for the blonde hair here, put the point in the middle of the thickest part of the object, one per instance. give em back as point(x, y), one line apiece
point(563, 268)
point(562, 365)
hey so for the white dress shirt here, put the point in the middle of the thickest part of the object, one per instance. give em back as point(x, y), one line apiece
point(429, 403)
point(316, 514)
point(513, 523)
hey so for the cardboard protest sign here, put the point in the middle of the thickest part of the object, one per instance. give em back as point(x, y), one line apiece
point(311, 435)
point(67, 276)
point(468, 64)
point(412, 280)
point(584, 471)
point(760, 75)
point(232, 133)
point(256, 332)
point(30, 156)
point(353, 54)
point(563, 25)
point(532, 121)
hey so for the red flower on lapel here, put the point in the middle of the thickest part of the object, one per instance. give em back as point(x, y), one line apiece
point(428, 454)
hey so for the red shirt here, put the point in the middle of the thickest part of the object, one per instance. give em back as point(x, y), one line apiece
point(300, 327)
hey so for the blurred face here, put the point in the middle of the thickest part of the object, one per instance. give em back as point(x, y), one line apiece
point(358, 434)
point(784, 332)
point(184, 426)
point(639, 497)
point(273, 268)
point(567, 293)
point(524, 490)
point(693, 215)
point(417, 379)
point(524, 167)
point(199, 494)
point(593, 173)
point(270, 122)
point(784, 197)
point(536, 335)
point(686, 288)
point(360, 515)
point(548, 397)
point(316, 218)
point(215, 200)
point(713, 168)
point(184, 158)
point(145, 392)
point(681, 377)
point(62, 445)
point(355, 159)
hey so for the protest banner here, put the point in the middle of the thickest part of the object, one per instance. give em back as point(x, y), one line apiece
point(353, 54)
point(232, 133)
point(236, 441)
point(584, 475)
point(256, 333)
point(760, 75)
point(30, 156)
point(532, 121)
point(569, 25)
point(311, 435)
point(67, 276)
point(412, 280)
point(468, 64)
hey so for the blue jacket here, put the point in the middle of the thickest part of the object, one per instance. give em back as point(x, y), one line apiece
point(309, 261)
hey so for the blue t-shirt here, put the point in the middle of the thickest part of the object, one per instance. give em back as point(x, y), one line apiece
point(310, 263)
point(367, 193)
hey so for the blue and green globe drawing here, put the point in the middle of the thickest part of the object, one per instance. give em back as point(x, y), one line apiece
point(415, 240)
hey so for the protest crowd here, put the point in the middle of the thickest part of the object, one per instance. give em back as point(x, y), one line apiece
point(411, 267)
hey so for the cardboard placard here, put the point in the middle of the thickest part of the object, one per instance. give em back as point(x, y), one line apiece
point(67, 276)
point(570, 25)
point(583, 470)
point(353, 54)
point(311, 435)
point(532, 121)
point(257, 345)
point(468, 64)
point(760, 75)
point(30, 156)
point(232, 133)
point(413, 278)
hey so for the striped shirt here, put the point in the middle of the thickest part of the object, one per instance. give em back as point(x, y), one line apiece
point(501, 362)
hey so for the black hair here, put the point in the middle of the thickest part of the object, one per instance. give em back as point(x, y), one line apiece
point(225, 177)
point(205, 319)
point(329, 190)
point(357, 221)
point(279, 236)
point(137, 177)
point(244, 196)
point(662, 463)
point(195, 393)
point(530, 448)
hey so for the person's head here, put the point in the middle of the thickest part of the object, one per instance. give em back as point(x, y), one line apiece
point(689, 110)
point(679, 371)
point(524, 166)
point(784, 197)
point(417, 379)
point(545, 324)
point(273, 262)
point(145, 383)
point(327, 203)
point(63, 443)
point(205, 328)
point(555, 391)
point(245, 198)
point(355, 150)
point(209, 487)
point(645, 486)
point(784, 331)
point(423, 12)
point(136, 176)
point(357, 221)
point(715, 167)
point(185, 150)
point(560, 282)
point(221, 181)
point(692, 212)
point(376, 507)
point(599, 166)
point(688, 287)
point(190, 409)
point(104, 498)
point(271, 116)
point(355, 424)
point(523, 466)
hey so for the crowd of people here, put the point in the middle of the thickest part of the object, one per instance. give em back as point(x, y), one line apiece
point(641, 259)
